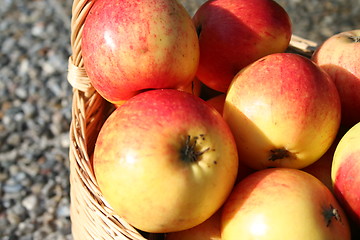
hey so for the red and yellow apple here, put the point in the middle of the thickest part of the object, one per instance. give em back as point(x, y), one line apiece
point(133, 46)
point(345, 173)
point(235, 33)
point(283, 110)
point(339, 56)
point(165, 161)
point(208, 230)
point(283, 203)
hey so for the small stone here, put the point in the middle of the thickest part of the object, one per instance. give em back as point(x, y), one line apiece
point(21, 93)
point(48, 69)
point(38, 29)
point(20, 176)
point(30, 202)
point(14, 139)
point(8, 45)
point(13, 218)
point(16, 213)
point(12, 188)
point(29, 109)
point(63, 211)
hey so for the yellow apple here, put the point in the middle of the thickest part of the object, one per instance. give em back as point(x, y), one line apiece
point(165, 161)
point(283, 110)
point(283, 203)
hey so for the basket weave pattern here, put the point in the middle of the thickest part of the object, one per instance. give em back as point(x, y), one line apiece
point(91, 215)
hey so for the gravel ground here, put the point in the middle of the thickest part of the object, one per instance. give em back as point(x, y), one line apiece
point(35, 105)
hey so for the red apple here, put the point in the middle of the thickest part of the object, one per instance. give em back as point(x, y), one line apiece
point(218, 102)
point(132, 46)
point(208, 230)
point(345, 173)
point(165, 161)
point(283, 110)
point(235, 33)
point(339, 56)
point(283, 203)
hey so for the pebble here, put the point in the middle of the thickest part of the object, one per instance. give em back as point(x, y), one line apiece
point(34, 50)
point(35, 105)
point(30, 202)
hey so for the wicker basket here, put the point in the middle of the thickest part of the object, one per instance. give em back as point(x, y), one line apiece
point(91, 215)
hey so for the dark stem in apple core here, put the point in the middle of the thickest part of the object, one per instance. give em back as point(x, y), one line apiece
point(329, 213)
point(356, 39)
point(190, 151)
point(279, 153)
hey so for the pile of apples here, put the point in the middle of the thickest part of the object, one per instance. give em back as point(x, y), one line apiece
point(218, 131)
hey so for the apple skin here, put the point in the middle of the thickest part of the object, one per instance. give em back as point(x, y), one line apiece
point(345, 173)
point(321, 169)
point(218, 102)
point(194, 87)
point(149, 172)
point(132, 46)
point(339, 56)
point(283, 203)
point(208, 230)
point(283, 110)
point(235, 33)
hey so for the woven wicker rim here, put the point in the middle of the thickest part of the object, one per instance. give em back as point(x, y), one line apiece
point(91, 216)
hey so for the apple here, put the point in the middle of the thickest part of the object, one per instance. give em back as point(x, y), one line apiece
point(194, 87)
point(218, 102)
point(208, 230)
point(283, 203)
point(283, 110)
point(339, 56)
point(235, 33)
point(321, 169)
point(165, 161)
point(133, 46)
point(345, 173)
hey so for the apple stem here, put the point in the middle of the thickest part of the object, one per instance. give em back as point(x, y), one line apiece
point(330, 213)
point(189, 152)
point(355, 38)
point(278, 153)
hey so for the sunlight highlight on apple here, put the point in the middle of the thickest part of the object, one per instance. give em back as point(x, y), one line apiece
point(258, 226)
point(109, 40)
